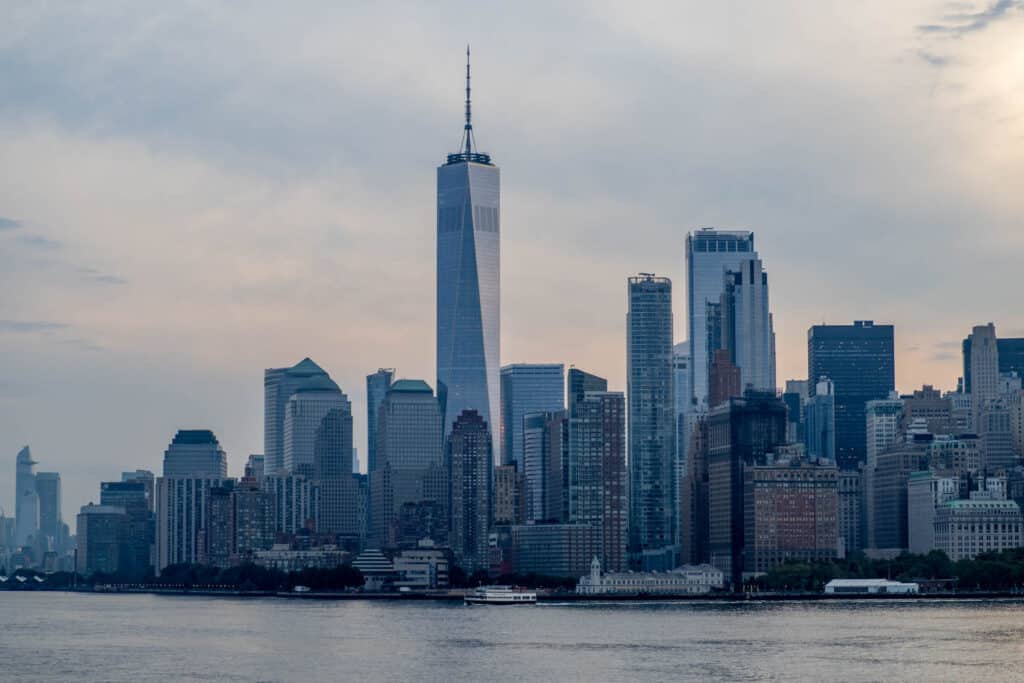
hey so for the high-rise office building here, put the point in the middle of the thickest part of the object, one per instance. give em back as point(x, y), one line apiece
point(884, 425)
point(724, 379)
point(508, 499)
point(820, 414)
point(470, 465)
point(377, 386)
point(409, 454)
point(599, 477)
point(683, 400)
point(50, 520)
point(278, 386)
point(338, 500)
point(195, 453)
point(545, 448)
point(929, 404)
point(984, 369)
point(747, 328)
point(101, 533)
point(311, 414)
point(527, 388)
point(1011, 359)
point(694, 511)
point(182, 507)
point(860, 361)
point(133, 498)
point(148, 481)
point(217, 546)
point(652, 425)
point(709, 253)
point(468, 282)
point(26, 499)
point(740, 434)
point(254, 518)
point(292, 500)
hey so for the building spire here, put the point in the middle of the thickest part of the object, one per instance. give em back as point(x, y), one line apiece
point(467, 134)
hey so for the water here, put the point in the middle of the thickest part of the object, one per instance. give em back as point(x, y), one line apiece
point(83, 637)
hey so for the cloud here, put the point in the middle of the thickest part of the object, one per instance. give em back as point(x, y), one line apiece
point(40, 242)
point(933, 59)
point(962, 23)
point(9, 224)
point(81, 344)
point(30, 326)
point(104, 278)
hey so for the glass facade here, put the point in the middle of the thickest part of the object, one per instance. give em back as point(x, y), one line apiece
point(709, 253)
point(859, 360)
point(527, 388)
point(468, 294)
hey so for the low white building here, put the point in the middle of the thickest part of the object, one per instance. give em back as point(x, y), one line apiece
point(688, 579)
point(424, 568)
point(872, 586)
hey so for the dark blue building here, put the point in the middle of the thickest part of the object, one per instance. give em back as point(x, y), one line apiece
point(860, 361)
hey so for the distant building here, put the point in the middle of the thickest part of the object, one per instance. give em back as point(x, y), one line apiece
point(195, 453)
point(470, 463)
point(684, 580)
point(257, 466)
point(409, 464)
point(148, 481)
point(422, 568)
point(508, 503)
point(285, 559)
point(747, 328)
point(292, 500)
point(1010, 359)
point(966, 528)
point(278, 386)
point(929, 404)
point(182, 508)
point(995, 431)
point(654, 502)
point(724, 379)
point(862, 586)
point(599, 477)
point(545, 447)
point(821, 422)
point(859, 359)
point(563, 550)
point(792, 513)
point(984, 368)
point(254, 519)
point(694, 515)
point(527, 388)
point(133, 498)
point(927, 490)
point(26, 499)
point(101, 532)
point(850, 485)
point(50, 520)
point(889, 491)
point(377, 386)
point(884, 423)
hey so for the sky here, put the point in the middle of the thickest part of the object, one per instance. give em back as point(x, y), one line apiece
point(193, 192)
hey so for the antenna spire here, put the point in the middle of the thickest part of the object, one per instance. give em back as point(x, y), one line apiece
point(468, 131)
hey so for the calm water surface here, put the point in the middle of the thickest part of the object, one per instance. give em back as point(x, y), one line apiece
point(81, 637)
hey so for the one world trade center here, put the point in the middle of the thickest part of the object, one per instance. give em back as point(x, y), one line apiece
point(468, 282)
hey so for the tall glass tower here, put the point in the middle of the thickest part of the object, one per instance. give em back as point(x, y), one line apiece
point(468, 277)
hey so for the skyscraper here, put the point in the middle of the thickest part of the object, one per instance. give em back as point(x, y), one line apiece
point(545, 447)
point(50, 521)
point(709, 253)
point(134, 499)
point(747, 328)
point(468, 281)
point(527, 388)
point(182, 507)
point(821, 422)
point(652, 425)
point(376, 389)
point(470, 465)
point(307, 430)
point(1011, 358)
point(408, 456)
point(26, 499)
point(859, 360)
point(278, 386)
point(984, 369)
point(599, 478)
point(195, 453)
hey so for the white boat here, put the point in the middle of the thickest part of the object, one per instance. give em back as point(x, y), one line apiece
point(500, 595)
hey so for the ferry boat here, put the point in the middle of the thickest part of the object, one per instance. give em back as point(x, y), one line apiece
point(500, 595)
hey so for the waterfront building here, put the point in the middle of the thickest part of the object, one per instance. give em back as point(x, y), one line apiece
point(134, 498)
point(860, 361)
point(563, 550)
point(747, 329)
point(377, 386)
point(599, 477)
point(709, 254)
point(469, 460)
point(740, 434)
point(791, 513)
point(101, 532)
point(284, 558)
point(654, 504)
point(51, 523)
point(869, 586)
point(182, 506)
point(26, 499)
point(821, 422)
point(527, 388)
point(278, 386)
point(544, 450)
point(685, 580)
point(508, 503)
point(195, 453)
point(468, 282)
point(966, 528)
point(409, 450)
point(422, 568)
point(378, 571)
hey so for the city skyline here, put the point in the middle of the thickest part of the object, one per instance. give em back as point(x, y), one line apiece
point(81, 353)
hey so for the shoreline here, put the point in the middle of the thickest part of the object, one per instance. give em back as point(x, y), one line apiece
point(560, 598)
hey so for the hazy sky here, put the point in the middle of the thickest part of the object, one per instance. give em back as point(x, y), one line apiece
point(191, 194)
